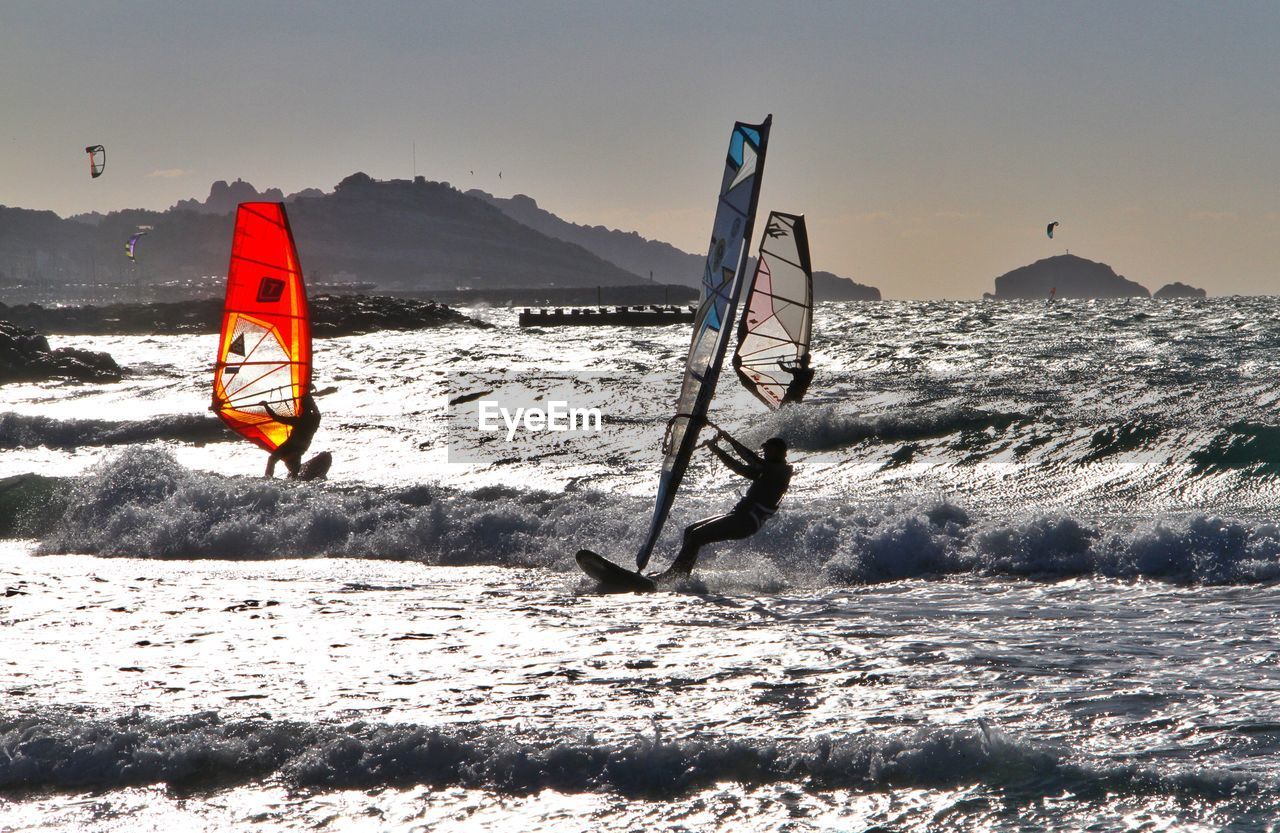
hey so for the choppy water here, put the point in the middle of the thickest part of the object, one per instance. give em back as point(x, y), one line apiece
point(1024, 581)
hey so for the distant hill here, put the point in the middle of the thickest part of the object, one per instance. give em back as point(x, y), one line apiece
point(429, 235)
point(397, 234)
point(626, 249)
point(642, 256)
point(224, 197)
point(828, 286)
point(1071, 276)
point(1179, 290)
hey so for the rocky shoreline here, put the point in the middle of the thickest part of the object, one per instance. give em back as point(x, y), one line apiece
point(25, 356)
point(331, 315)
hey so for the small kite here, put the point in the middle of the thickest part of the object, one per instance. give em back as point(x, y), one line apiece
point(1049, 229)
point(97, 160)
point(131, 246)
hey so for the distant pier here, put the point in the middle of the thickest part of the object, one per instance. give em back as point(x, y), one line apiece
point(645, 315)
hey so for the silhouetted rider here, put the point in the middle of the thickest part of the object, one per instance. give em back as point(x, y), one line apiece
point(304, 427)
point(770, 475)
point(801, 376)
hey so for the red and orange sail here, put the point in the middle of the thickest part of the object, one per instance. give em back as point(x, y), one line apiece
point(264, 352)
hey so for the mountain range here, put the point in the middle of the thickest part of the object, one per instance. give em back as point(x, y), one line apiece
point(388, 235)
point(665, 262)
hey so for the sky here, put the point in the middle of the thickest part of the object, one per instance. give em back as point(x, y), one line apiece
point(928, 144)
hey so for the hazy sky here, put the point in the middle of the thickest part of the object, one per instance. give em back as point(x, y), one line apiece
point(928, 143)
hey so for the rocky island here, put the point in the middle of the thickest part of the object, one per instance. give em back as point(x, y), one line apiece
point(1179, 290)
point(1071, 276)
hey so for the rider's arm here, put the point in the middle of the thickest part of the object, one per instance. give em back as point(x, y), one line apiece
point(748, 456)
point(737, 466)
point(281, 418)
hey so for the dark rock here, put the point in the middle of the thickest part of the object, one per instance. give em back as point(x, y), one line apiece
point(1179, 290)
point(25, 357)
point(342, 315)
point(331, 315)
point(1072, 276)
point(832, 287)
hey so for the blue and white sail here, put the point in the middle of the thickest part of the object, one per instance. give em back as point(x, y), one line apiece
point(722, 286)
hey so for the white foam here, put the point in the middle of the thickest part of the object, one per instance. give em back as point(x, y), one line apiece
point(142, 503)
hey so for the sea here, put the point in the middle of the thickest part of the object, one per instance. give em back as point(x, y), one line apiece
point(1025, 579)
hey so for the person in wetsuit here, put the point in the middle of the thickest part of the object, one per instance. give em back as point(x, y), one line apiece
point(304, 426)
point(801, 376)
point(770, 475)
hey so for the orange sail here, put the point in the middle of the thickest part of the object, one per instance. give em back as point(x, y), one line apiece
point(264, 351)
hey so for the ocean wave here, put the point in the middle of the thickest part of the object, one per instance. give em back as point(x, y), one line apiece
point(30, 504)
point(142, 503)
point(829, 427)
point(1194, 550)
point(1125, 437)
point(964, 435)
point(1242, 446)
point(63, 751)
point(24, 431)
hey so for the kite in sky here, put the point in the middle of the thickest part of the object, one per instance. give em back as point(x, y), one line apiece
point(97, 160)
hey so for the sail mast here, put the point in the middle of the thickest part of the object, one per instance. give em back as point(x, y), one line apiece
point(722, 284)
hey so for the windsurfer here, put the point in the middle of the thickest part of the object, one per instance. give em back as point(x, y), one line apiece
point(801, 376)
point(770, 475)
point(304, 427)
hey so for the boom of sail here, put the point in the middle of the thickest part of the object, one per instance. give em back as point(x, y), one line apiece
point(722, 284)
point(773, 336)
point(264, 351)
